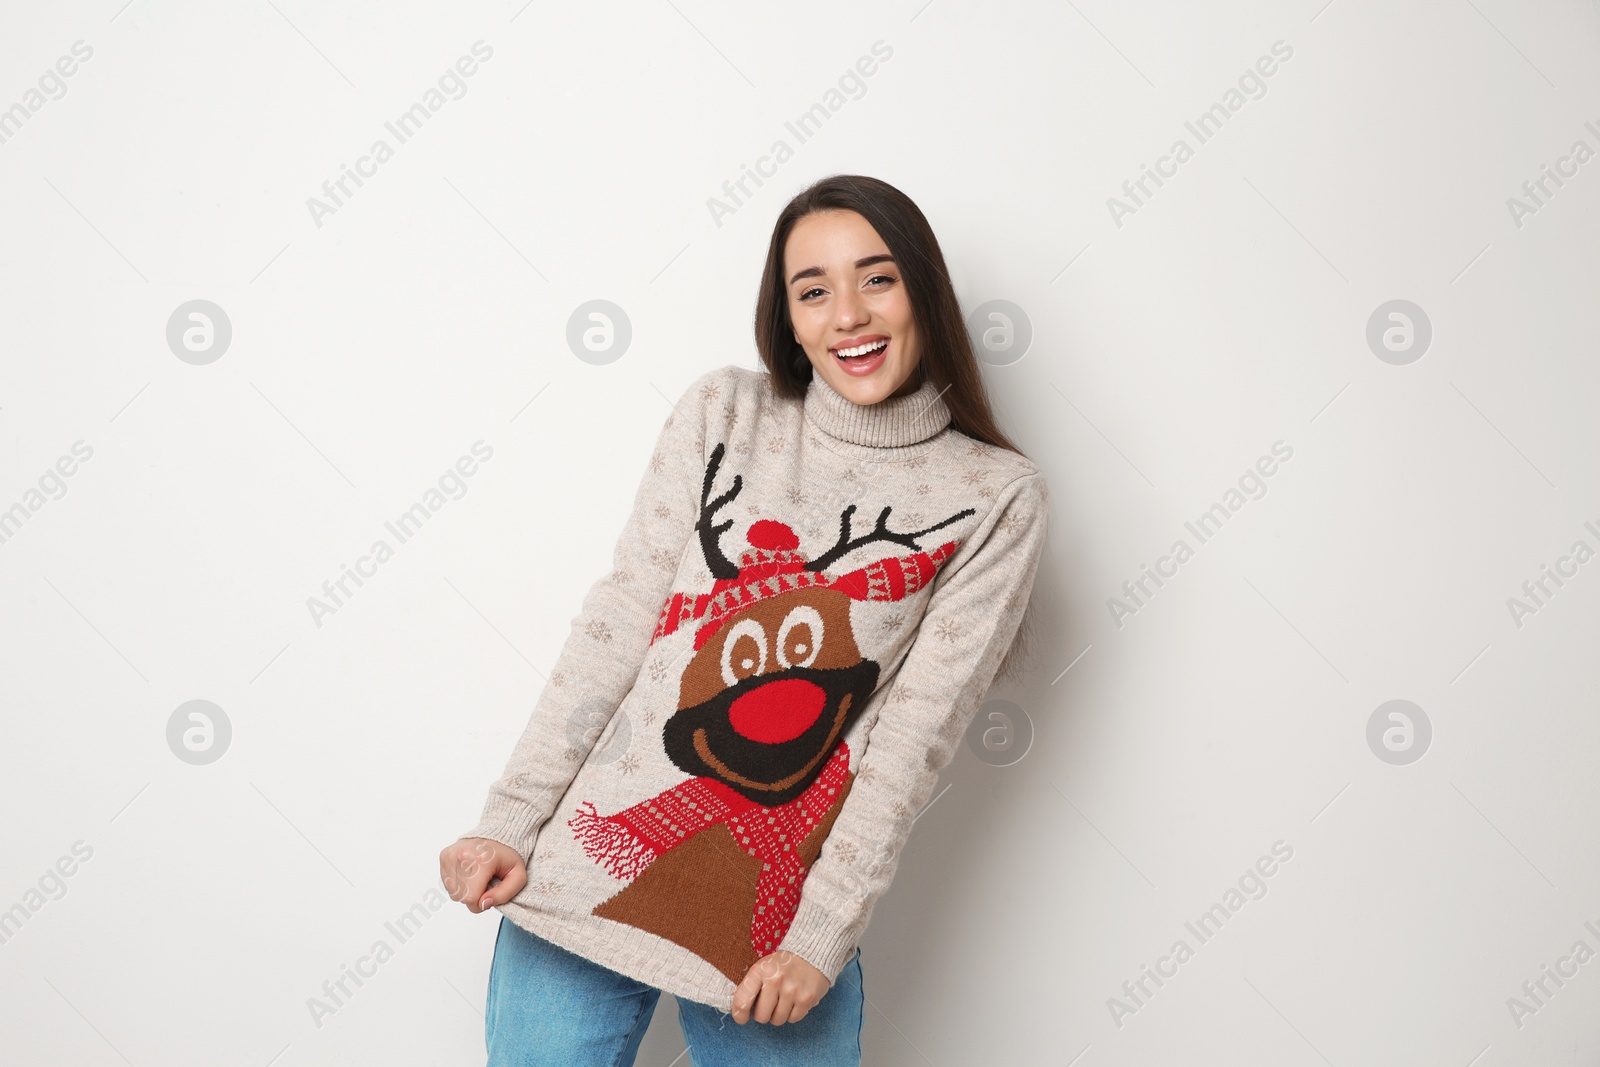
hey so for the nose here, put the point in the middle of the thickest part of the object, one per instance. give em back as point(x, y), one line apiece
point(779, 711)
point(848, 310)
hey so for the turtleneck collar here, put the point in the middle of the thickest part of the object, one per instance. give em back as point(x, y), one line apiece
point(893, 422)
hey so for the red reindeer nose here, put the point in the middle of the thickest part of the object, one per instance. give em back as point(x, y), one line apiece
point(778, 711)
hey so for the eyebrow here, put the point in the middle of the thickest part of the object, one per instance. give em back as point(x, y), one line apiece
point(817, 272)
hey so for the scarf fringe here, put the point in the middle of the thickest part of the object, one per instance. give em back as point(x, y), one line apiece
point(611, 843)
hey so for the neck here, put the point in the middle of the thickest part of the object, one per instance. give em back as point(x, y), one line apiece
point(913, 382)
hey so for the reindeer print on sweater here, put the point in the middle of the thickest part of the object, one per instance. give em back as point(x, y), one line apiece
point(775, 680)
point(803, 612)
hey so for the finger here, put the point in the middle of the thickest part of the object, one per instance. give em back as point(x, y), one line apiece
point(476, 855)
point(782, 1013)
point(472, 890)
point(766, 1002)
point(744, 997)
point(458, 863)
point(468, 887)
point(513, 877)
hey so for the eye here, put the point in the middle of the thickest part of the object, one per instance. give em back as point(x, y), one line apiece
point(744, 652)
point(799, 637)
point(884, 277)
point(808, 292)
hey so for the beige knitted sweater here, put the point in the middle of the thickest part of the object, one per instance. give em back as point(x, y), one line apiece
point(807, 605)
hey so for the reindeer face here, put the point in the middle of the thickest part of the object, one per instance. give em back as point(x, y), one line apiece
point(769, 694)
point(779, 679)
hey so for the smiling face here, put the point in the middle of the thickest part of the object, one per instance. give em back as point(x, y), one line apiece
point(845, 292)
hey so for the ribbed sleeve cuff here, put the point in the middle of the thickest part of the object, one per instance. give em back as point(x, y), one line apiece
point(819, 937)
point(510, 822)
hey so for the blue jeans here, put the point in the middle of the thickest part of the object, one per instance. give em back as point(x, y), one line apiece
point(548, 1006)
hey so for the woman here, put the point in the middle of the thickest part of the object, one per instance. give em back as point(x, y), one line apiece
point(824, 566)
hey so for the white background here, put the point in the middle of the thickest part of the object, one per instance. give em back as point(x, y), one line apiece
point(1169, 352)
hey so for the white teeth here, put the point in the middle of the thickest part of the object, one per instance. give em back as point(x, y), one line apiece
point(860, 350)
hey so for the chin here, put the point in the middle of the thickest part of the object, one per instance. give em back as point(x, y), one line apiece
point(867, 389)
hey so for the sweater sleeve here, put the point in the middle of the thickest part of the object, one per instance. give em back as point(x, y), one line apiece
point(600, 661)
point(970, 621)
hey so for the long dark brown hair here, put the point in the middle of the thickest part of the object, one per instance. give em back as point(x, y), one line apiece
point(947, 358)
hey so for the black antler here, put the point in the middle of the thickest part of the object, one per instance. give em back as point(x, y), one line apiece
point(879, 532)
point(721, 566)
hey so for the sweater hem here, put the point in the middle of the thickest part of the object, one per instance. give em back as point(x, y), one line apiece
point(635, 956)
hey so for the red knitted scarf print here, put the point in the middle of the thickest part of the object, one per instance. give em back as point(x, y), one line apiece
point(627, 842)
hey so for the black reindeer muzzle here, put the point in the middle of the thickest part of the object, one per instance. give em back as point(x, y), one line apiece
point(768, 735)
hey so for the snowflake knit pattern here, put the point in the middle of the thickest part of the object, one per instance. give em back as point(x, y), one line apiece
point(755, 702)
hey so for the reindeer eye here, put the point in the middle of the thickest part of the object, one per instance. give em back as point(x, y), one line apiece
point(799, 637)
point(744, 652)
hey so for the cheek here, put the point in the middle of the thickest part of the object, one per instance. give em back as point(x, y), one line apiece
point(805, 323)
point(896, 311)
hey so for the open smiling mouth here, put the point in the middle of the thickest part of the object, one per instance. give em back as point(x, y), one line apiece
point(862, 359)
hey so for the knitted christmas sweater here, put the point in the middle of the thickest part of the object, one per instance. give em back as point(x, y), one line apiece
point(808, 602)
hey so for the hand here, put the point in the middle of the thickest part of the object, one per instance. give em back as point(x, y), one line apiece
point(481, 873)
point(782, 987)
